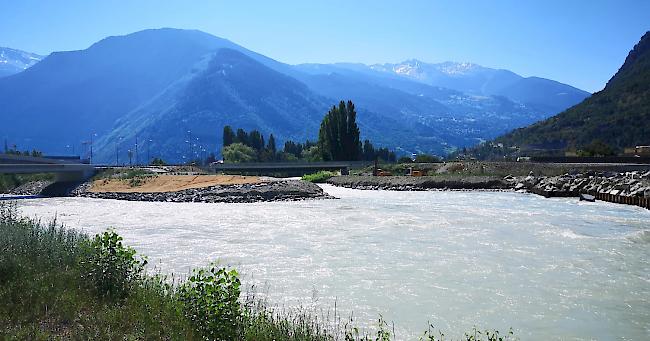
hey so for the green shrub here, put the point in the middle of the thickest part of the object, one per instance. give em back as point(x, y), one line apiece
point(112, 268)
point(319, 177)
point(211, 302)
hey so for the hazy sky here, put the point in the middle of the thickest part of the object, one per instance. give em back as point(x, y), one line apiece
point(581, 43)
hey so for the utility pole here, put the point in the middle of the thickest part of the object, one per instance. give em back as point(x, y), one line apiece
point(149, 151)
point(137, 160)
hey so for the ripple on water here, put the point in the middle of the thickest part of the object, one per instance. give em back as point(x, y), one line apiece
point(550, 268)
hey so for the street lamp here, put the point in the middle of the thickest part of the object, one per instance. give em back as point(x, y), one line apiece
point(117, 150)
point(91, 146)
point(149, 151)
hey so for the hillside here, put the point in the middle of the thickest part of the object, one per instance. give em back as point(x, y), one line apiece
point(619, 115)
point(227, 88)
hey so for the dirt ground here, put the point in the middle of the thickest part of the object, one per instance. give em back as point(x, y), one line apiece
point(168, 183)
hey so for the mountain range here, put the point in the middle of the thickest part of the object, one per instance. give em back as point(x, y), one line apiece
point(174, 90)
point(13, 61)
point(618, 116)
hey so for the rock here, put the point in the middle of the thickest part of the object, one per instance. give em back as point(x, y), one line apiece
point(587, 197)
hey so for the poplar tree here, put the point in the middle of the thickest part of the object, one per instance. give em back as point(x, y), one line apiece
point(338, 138)
point(228, 136)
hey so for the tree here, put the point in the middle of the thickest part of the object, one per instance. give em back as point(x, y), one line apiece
point(312, 154)
point(157, 162)
point(597, 148)
point(338, 138)
point(242, 136)
point(271, 149)
point(228, 136)
point(426, 158)
point(293, 148)
point(238, 152)
point(271, 144)
point(368, 151)
point(255, 140)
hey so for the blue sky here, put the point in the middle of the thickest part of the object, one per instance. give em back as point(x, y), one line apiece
point(581, 43)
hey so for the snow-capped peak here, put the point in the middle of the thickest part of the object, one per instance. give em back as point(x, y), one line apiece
point(14, 61)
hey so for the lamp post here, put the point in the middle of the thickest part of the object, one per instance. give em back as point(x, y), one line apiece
point(117, 150)
point(91, 146)
point(137, 160)
point(149, 151)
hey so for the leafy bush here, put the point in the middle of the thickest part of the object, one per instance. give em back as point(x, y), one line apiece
point(211, 301)
point(112, 268)
point(319, 177)
point(238, 152)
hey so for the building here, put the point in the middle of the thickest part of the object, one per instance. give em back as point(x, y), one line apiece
point(637, 151)
point(642, 150)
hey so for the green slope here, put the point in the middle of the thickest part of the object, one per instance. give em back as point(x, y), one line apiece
point(619, 115)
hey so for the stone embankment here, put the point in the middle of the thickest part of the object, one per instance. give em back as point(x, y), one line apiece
point(626, 188)
point(287, 190)
point(629, 187)
point(410, 183)
point(31, 188)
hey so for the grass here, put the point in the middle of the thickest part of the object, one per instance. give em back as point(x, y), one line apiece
point(56, 283)
point(319, 177)
point(133, 176)
point(11, 181)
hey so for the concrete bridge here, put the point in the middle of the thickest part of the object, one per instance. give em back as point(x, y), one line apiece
point(297, 168)
point(68, 171)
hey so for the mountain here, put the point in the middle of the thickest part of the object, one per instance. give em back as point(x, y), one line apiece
point(168, 86)
point(619, 115)
point(14, 61)
point(447, 118)
point(230, 88)
point(69, 96)
point(544, 94)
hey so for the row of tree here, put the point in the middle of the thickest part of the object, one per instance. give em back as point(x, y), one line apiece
point(338, 140)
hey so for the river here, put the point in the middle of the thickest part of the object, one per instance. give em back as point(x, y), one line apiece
point(549, 268)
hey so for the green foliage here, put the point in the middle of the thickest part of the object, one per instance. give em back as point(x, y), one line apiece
point(258, 152)
point(319, 177)
point(338, 138)
point(311, 154)
point(404, 159)
point(46, 295)
point(619, 116)
point(238, 152)
point(383, 154)
point(426, 158)
point(11, 181)
point(211, 301)
point(112, 268)
point(228, 136)
point(158, 162)
point(597, 148)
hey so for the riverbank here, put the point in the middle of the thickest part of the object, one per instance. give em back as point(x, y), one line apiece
point(628, 187)
point(631, 188)
point(201, 188)
point(422, 183)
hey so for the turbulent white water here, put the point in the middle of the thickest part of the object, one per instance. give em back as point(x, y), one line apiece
point(549, 268)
